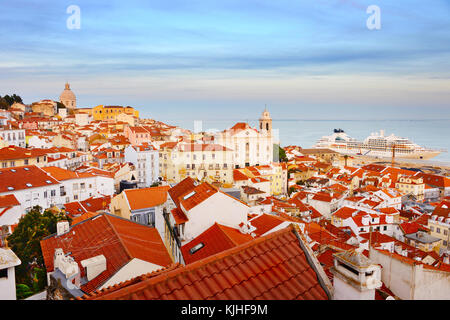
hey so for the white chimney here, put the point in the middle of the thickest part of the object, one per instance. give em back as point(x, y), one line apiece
point(62, 227)
point(365, 220)
point(94, 266)
point(67, 266)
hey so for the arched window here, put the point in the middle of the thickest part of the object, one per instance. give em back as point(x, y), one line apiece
point(267, 126)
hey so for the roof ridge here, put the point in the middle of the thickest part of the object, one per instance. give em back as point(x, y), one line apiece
point(118, 237)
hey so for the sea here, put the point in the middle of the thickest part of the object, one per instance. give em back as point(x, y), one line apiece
point(304, 133)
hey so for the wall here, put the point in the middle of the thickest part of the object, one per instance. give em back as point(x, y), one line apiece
point(132, 269)
point(412, 282)
point(8, 286)
point(218, 208)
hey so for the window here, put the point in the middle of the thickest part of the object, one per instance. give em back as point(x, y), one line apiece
point(53, 193)
point(438, 230)
point(4, 274)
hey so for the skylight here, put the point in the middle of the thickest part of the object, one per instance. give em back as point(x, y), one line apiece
point(189, 195)
point(10, 188)
point(194, 249)
point(29, 185)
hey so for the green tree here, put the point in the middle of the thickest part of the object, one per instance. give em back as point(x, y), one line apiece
point(25, 242)
point(23, 291)
point(280, 153)
point(17, 98)
point(3, 104)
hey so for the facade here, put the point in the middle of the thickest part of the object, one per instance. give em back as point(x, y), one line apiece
point(251, 147)
point(110, 113)
point(145, 159)
point(210, 162)
point(439, 223)
point(411, 185)
point(79, 186)
point(15, 137)
point(140, 205)
point(409, 279)
point(8, 262)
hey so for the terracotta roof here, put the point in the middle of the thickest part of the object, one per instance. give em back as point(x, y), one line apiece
point(344, 212)
point(274, 267)
point(215, 239)
point(26, 177)
point(442, 209)
point(181, 188)
point(194, 197)
point(179, 216)
point(13, 153)
point(239, 176)
point(119, 240)
point(146, 197)
point(265, 223)
point(411, 227)
point(63, 174)
point(8, 200)
point(91, 204)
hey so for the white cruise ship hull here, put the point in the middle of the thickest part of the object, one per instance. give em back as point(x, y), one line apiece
point(425, 155)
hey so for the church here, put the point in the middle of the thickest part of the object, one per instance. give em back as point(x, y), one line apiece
point(68, 98)
point(251, 146)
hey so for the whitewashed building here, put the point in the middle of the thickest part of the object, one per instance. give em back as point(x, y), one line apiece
point(146, 161)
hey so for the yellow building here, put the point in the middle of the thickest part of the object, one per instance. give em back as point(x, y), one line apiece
point(274, 173)
point(13, 156)
point(439, 223)
point(205, 162)
point(411, 185)
point(111, 112)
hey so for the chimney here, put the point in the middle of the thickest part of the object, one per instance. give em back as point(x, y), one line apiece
point(62, 227)
point(446, 259)
point(94, 266)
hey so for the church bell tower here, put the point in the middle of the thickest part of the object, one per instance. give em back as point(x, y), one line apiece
point(265, 123)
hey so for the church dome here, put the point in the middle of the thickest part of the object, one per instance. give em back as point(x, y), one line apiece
point(67, 97)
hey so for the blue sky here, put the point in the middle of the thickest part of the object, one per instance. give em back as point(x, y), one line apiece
point(227, 59)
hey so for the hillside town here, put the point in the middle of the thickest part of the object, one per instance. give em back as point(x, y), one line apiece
point(139, 209)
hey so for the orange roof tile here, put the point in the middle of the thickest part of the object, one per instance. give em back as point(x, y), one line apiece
point(274, 267)
point(119, 240)
point(8, 200)
point(146, 197)
point(215, 239)
point(181, 188)
point(26, 177)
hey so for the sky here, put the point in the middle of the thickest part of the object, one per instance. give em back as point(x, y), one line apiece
point(205, 59)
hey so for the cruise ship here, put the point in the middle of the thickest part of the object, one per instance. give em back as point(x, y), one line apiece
point(375, 145)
